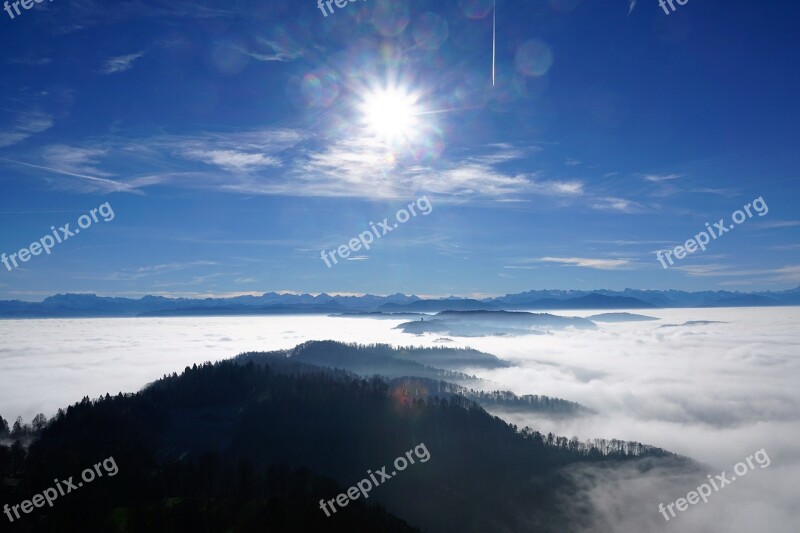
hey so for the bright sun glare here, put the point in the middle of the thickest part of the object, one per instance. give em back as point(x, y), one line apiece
point(391, 114)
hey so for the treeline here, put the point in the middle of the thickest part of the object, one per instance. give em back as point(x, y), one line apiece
point(509, 401)
point(596, 448)
point(503, 401)
point(21, 431)
point(389, 349)
point(362, 360)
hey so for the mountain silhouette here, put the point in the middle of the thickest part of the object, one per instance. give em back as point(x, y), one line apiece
point(240, 446)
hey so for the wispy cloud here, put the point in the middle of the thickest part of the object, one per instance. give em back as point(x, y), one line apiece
point(558, 188)
point(470, 178)
point(665, 185)
point(85, 14)
point(497, 153)
point(26, 125)
point(74, 159)
point(622, 242)
point(355, 166)
point(656, 178)
point(779, 224)
point(237, 152)
point(631, 5)
point(241, 157)
point(276, 50)
point(599, 264)
point(789, 273)
point(121, 63)
point(710, 269)
point(728, 193)
point(618, 204)
point(131, 274)
point(172, 267)
point(364, 167)
point(30, 60)
point(234, 160)
point(98, 183)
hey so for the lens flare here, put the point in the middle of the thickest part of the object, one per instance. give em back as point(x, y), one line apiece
point(391, 114)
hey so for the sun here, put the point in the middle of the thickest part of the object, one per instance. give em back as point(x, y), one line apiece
point(391, 114)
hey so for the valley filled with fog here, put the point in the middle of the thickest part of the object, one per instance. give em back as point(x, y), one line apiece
point(712, 384)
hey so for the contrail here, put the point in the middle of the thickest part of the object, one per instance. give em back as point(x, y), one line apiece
point(448, 110)
point(494, 37)
point(117, 185)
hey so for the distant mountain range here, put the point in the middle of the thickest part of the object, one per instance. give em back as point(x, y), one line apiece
point(90, 305)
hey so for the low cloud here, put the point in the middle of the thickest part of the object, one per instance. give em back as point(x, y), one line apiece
point(715, 392)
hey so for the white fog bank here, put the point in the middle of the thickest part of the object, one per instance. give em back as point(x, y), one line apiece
point(716, 392)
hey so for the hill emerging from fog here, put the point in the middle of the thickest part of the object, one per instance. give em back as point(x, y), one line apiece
point(240, 446)
point(621, 317)
point(488, 323)
point(413, 380)
point(381, 360)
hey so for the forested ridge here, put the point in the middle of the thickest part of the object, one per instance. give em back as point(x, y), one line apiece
point(434, 371)
point(249, 447)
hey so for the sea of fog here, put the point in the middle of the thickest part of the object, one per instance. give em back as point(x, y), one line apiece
point(716, 392)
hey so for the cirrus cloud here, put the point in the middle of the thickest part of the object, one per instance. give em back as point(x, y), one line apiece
point(585, 262)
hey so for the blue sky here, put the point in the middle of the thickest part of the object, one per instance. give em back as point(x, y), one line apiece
point(231, 140)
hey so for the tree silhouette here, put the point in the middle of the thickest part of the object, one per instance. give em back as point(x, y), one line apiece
point(39, 422)
point(18, 431)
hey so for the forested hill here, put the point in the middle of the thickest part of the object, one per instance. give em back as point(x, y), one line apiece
point(363, 360)
point(231, 447)
point(409, 362)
